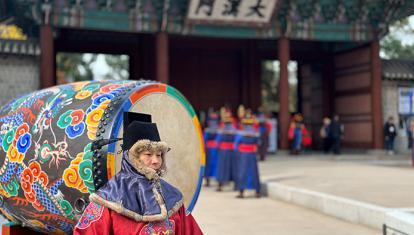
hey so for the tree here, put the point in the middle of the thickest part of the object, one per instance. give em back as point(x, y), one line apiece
point(119, 65)
point(393, 48)
point(393, 45)
point(270, 82)
point(73, 67)
point(270, 85)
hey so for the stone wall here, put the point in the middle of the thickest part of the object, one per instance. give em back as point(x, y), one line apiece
point(19, 75)
point(389, 100)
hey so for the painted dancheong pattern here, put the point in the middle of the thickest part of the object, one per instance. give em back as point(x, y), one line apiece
point(44, 168)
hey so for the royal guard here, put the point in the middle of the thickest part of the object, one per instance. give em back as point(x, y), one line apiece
point(241, 113)
point(298, 135)
point(210, 135)
point(264, 127)
point(225, 153)
point(246, 146)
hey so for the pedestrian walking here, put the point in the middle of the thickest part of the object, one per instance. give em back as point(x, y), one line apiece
point(390, 132)
point(323, 133)
point(336, 131)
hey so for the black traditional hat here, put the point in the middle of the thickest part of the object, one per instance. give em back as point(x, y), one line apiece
point(141, 133)
point(138, 130)
point(136, 126)
point(129, 117)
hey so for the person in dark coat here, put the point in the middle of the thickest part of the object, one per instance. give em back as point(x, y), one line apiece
point(264, 127)
point(335, 134)
point(390, 132)
point(323, 133)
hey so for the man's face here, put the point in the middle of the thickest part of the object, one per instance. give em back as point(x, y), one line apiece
point(151, 160)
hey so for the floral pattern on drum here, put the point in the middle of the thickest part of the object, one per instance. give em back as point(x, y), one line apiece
point(45, 151)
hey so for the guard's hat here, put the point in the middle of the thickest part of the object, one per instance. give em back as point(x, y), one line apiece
point(138, 126)
point(141, 134)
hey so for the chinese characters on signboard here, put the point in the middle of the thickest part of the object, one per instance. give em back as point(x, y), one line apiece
point(246, 11)
point(405, 100)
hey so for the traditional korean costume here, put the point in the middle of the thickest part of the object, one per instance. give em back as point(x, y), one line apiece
point(211, 146)
point(246, 145)
point(226, 159)
point(136, 200)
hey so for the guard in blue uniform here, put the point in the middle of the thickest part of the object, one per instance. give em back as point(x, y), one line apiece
point(264, 130)
point(225, 153)
point(246, 146)
point(210, 135)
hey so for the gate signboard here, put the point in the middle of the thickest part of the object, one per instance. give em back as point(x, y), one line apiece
point(231, 12)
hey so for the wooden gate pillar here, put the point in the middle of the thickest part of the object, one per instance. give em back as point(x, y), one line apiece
point(47, 57)
point(376, 101)
point(162, 58)
point(284, 115)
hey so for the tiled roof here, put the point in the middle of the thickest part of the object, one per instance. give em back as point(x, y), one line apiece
point(26, 47)
point(397, 69)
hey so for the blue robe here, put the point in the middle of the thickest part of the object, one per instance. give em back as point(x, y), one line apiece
point(226, 155)
point(246, 145)
point(297, 138)
point(210, 136)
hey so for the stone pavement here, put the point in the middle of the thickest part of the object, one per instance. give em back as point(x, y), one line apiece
point(359, 188)
point(385, 180)
point(220, 213)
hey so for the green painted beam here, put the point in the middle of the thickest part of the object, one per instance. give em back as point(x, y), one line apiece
point(106, 20)
point(224, 31)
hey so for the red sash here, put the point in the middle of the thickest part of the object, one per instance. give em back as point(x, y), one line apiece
point(247, 148)
point(211, 144)
point(226, 145)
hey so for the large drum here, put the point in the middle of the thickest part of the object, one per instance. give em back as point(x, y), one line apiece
point(48, 168)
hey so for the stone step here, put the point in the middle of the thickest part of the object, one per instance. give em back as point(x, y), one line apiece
point(396, 221)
